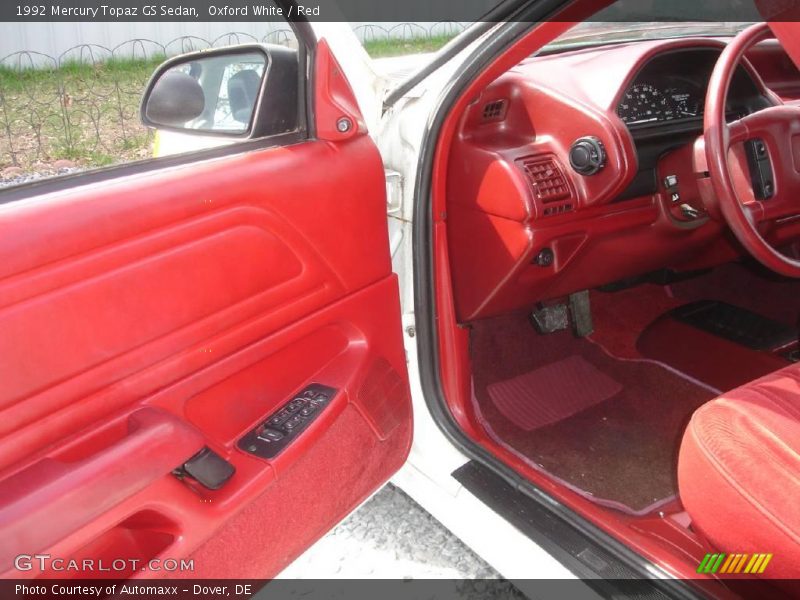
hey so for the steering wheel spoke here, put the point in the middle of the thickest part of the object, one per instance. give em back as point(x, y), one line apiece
point(737, 132)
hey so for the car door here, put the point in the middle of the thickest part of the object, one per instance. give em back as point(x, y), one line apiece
point(201, 358)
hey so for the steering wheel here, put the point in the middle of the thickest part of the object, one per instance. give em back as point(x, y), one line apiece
point(765, 143)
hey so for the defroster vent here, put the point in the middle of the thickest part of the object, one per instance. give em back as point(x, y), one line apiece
point(495, 110)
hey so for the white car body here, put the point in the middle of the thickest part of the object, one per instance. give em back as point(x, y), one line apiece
point(398, 133)
point(426, 476)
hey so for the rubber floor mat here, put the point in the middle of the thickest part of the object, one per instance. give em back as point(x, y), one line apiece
point(736, 324)
point(552, 393)
point(620, 452)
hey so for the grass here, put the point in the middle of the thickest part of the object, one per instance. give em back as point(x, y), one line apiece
point(14, 80)
point(79, 112)
point(384, 48)
point(83, 113)
point(88, 114)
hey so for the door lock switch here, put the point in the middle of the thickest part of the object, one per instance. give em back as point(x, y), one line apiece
point(270, 435)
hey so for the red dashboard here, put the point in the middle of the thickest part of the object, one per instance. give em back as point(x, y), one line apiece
point(577, 169)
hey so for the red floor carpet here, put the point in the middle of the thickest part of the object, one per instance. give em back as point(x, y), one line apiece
point(616, 444)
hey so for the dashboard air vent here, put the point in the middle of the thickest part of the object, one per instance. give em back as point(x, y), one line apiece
point(550, 187)
point(495, 110)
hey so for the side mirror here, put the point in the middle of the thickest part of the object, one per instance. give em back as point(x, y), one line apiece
point(215, 92)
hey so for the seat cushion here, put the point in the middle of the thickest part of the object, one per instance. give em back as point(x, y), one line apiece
point(739, 470)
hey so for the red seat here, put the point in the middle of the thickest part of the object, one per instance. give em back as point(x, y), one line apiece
point(739, 470)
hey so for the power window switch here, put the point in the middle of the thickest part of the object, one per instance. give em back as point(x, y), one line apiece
point(294, 422)
point(296, 405)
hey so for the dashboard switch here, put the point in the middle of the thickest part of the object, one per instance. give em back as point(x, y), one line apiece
point(545, 258)
point(761, 176)
point(587, 155)
point(690, 212)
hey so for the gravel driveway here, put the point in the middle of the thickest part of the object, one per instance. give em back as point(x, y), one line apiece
point(10, 178)
point(391, 537)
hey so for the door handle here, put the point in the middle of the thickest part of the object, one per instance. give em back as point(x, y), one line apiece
point(43, 503)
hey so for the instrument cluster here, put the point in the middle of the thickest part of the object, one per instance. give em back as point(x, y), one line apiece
point(646, 103)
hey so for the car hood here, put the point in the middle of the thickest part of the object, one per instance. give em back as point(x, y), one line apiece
point(398, 68)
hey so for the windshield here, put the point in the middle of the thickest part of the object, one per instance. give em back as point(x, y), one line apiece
point(593, 32)
point(622, 21)
point(632, 20)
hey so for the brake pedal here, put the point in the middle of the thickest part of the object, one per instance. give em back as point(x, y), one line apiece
point(549, 319)
point(580, 308)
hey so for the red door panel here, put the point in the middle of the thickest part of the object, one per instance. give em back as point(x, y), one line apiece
point(145, 318)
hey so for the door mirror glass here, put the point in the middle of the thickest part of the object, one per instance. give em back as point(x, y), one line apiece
point(213, 92)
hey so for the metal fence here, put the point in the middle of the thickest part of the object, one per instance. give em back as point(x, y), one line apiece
point(82, 106)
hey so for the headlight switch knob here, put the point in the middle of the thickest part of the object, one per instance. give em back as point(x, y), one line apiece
point(587, 155)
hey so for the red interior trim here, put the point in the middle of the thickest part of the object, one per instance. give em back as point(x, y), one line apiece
point(651, 535)
point(208, 293)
